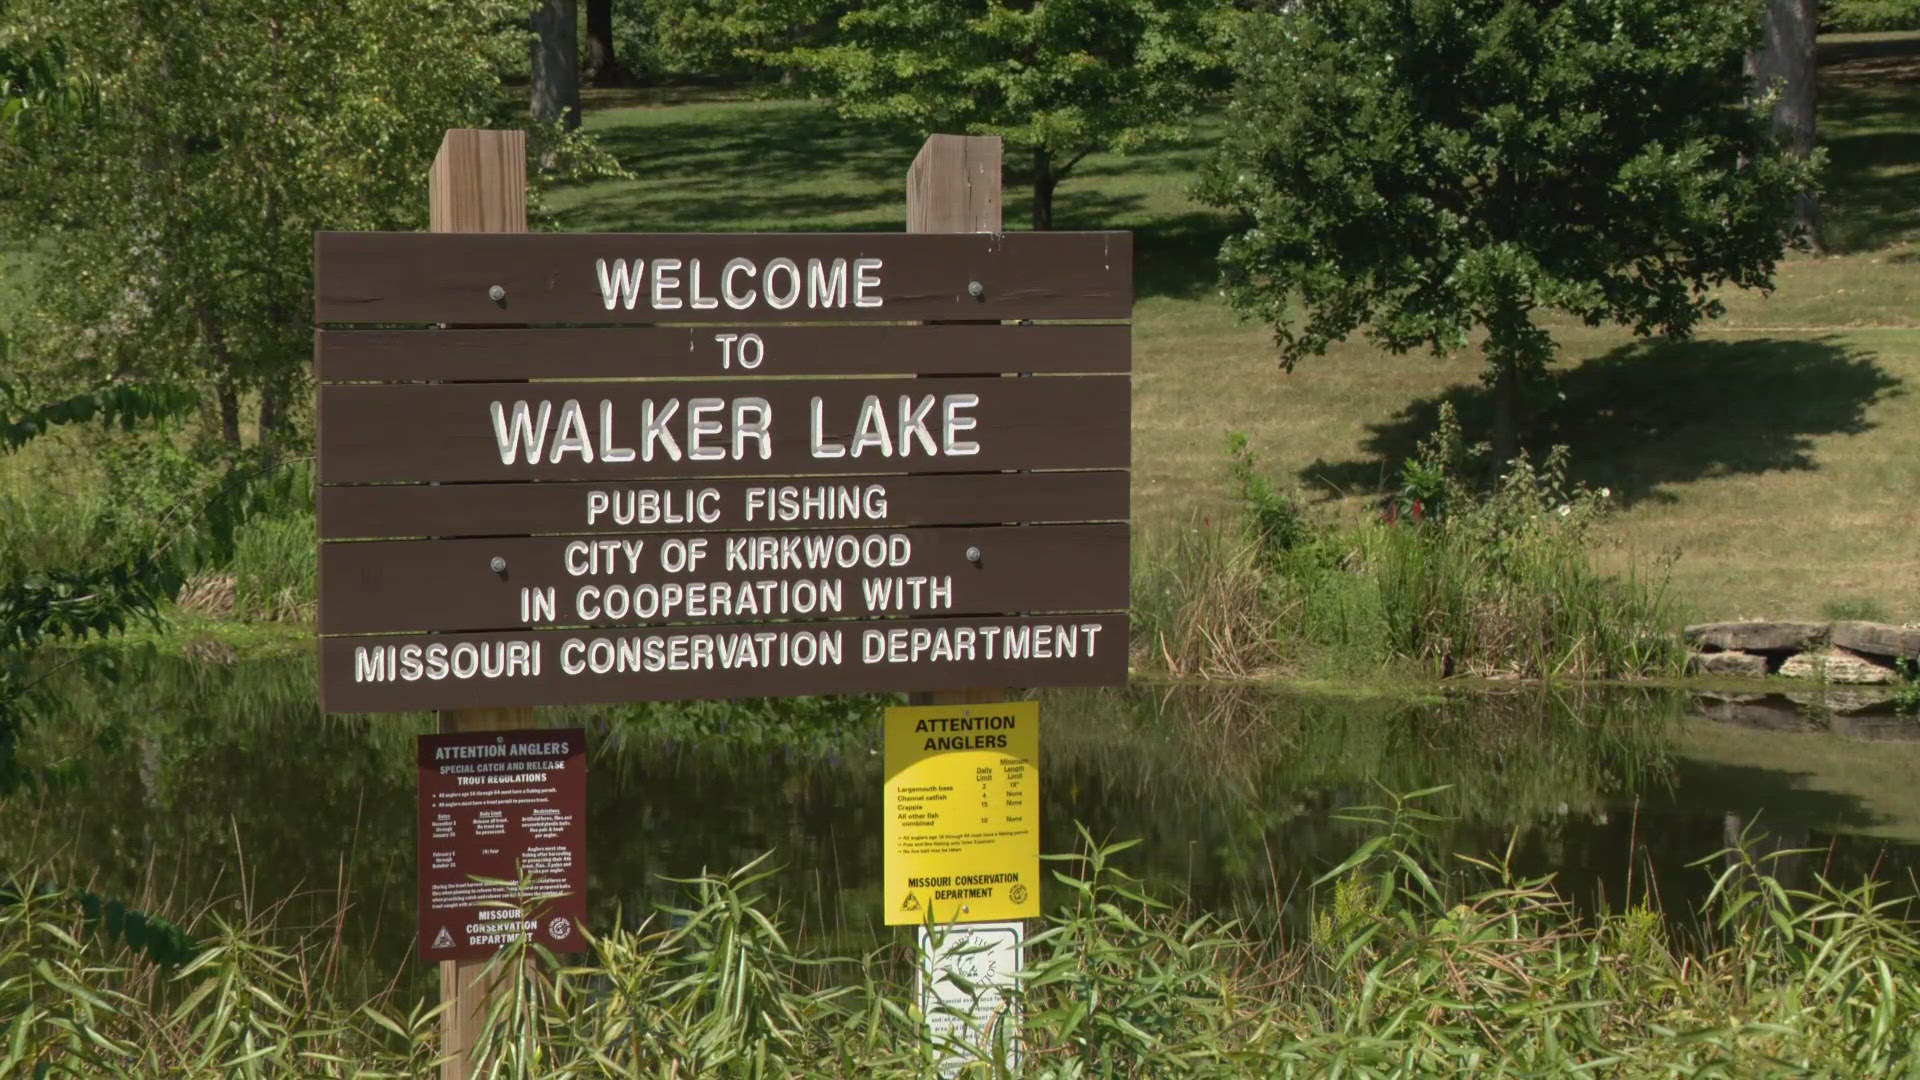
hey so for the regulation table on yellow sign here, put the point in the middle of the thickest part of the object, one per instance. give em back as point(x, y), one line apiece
point(963, 813)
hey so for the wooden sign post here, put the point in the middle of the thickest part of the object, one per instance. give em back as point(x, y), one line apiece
point(577, 468)
point(478, 184)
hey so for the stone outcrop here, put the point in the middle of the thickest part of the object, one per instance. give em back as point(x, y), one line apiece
point(1861, 653)
point(1837, 666)
point(1877, 640)
point(1727, 663)
point(1757, 637)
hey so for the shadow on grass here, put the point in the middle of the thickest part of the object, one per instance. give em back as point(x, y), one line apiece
point(1869, 98)
point(710, 169)
point(720, 163)
point(1649, 415)
point(1173, 256)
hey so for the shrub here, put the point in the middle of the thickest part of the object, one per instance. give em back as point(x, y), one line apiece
point(1497, 581)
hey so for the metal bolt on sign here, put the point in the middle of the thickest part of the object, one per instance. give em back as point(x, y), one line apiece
point(976, 290)
point(498, 564)
point(973, 555)
point(497, 294)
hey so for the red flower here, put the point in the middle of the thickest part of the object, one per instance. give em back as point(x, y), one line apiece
point(1419, 512)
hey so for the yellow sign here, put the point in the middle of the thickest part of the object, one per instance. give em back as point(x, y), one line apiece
point(963, 813)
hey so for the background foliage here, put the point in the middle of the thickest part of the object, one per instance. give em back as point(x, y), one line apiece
point(1419, 169)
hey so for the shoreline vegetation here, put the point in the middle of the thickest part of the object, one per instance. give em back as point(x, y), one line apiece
point(1460, 573)
point(1411, 964)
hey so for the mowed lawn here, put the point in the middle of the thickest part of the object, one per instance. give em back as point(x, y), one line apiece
point(1770, 466)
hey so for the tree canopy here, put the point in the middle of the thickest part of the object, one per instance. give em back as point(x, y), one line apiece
point(1062, 78)
point(1416, 169)
point(171, 226)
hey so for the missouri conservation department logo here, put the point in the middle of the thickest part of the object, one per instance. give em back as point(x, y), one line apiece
point(911, 903)
point(560, 928)
point(443, 940)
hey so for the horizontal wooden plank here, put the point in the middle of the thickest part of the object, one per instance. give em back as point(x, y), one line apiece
point(621, 352)
point(567, 667)
point(383, 586)
point(778, 277)
point(454, 510)
point(452, 432)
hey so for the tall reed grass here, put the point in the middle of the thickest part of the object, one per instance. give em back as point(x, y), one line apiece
point(1449, 579)
point(1411, 967)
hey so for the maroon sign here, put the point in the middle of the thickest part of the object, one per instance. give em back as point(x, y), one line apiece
point(502, 848)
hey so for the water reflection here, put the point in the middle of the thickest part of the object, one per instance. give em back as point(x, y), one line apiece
point(206, 779)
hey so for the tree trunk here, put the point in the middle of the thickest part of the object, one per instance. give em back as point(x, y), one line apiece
point(1506, 415)
point(1786, 61)
point(229, 400)
point(273, 421)
point(222, 368)
point(556, 63)
point(1044, 181)
point(601, 66)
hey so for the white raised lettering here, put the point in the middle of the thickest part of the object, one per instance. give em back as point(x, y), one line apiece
point(699, 427)
point(871, 430)
point(951, 423)
point(751, 418)
point(866, 275)
point(826, 286)
point(697, 301)
point(522, 431)
point(619, 286)
point(816, 439)
point(779, 300)
point(608, 451)
point(661, 283)
point(737, 301)
point(572, 435)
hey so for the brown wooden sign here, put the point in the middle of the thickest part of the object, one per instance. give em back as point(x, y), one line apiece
point(492, 280)
point(626, 352)
point(779, 500)
point(497, 583)
point(404, 510)
point(499, 810)
point(665, 663)
point(634, 430)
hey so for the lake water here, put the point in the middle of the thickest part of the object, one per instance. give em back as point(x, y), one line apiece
point(200, 780)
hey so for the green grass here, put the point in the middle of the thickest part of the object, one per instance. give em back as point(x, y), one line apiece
point(1778, 454)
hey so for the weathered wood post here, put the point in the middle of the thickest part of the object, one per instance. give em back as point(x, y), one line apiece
point(953, 186)
point(478, 184)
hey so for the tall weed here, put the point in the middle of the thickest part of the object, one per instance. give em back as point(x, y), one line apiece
point(1203, 606)
point(1413, 966)
point(275, 572)
point(1453, 580)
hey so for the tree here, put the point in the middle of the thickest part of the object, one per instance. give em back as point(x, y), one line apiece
point(554, 55)
point(1785, 66)
point(1062, 78)
point(601, 64)
point(172, 231)
point(1422, 168)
